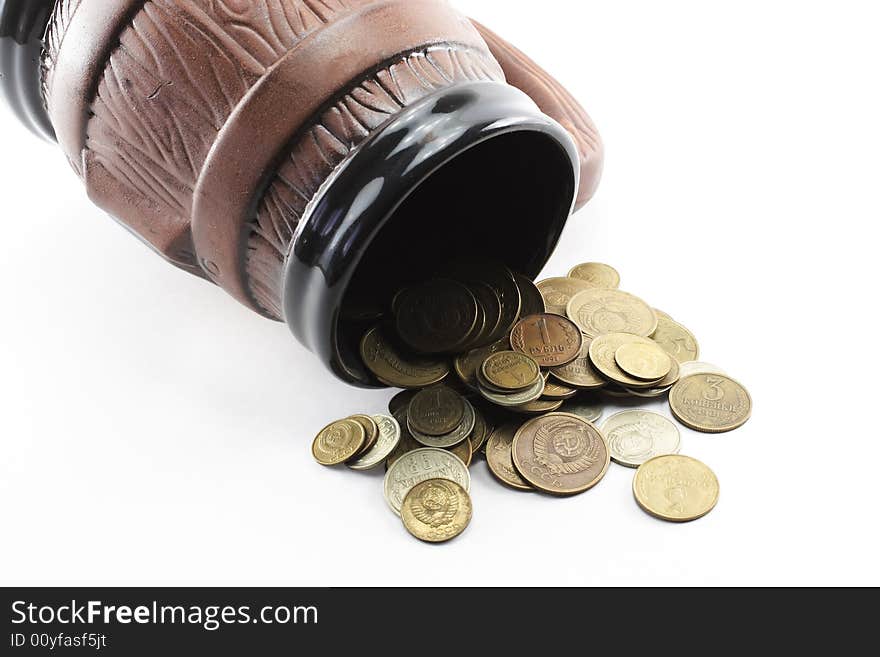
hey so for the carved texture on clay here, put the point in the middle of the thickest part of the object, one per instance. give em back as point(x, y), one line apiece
point(329, 139)
point(155, 117)
point(58, 22)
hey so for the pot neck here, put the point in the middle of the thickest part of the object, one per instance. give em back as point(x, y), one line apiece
point(22, 25)
point(357, 201)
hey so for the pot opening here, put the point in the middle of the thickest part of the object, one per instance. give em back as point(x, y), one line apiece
point(505, 200)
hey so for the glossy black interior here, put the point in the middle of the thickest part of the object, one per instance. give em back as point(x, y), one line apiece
point(504, 200)
point(22, 23)
point(475, 173)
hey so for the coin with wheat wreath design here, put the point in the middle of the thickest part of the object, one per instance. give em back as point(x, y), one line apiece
point(560, 454)
point(436, 510)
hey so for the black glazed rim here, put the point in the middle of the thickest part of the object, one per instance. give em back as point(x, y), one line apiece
point(22, 24)
point(364, 193)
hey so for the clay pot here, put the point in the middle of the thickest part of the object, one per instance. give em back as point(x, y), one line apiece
point(302, 154)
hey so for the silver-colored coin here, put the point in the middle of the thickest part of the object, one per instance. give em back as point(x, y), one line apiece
point(517, 399)
point(389, 437)
point(465, 429)
point(635, 437)
point(588, 410)
point(696, 367)
point(421, 465)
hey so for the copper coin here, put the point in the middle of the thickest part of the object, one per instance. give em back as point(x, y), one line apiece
point(580, 373)
point(560, 454)
point(552, 340)
point(436, 411)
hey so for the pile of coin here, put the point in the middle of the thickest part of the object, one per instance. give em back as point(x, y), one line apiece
point(493, 364)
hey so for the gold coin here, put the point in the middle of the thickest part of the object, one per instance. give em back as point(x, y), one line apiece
point(371, 429)
point(597, 275)
point(338, 442)
point(579, 373)
point(557, 391)
point(436, 510)
point(467, 365)
point(464, 450)
point(675, 339)
point(603, 352)
point(395, 368)
point(710, 403)
point(510, 371)
point(560, 454)
point(539, 407)
point(599, 312)
point(676, 488)
point(661, 387)
point(550, 339)
point(500, 459)
point(557, 292)
point(436, 411)
point(643, 360)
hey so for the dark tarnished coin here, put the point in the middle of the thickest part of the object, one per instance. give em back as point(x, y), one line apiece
point(467, 365)
point(371, 431)
point(551, 340)
point(510, 371)
point(455, 437)
point(436, 411)
point(436, 511)
point(490, 308)
point(557, 292)
point(436, 317)
point(338, 442)
point(400, 401)
point(500, 458)
point(394, 367)
point(579, 373)
point(532, 300)
point(560, 454)
point(501, 281)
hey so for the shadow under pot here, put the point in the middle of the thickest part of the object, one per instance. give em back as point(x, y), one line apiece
point(297, 160)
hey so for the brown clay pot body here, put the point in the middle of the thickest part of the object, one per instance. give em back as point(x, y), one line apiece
point(215, 130)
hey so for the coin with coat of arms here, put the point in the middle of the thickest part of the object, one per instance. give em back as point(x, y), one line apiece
point(560, 454)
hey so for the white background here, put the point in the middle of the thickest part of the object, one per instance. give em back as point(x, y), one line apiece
point(155, 432)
